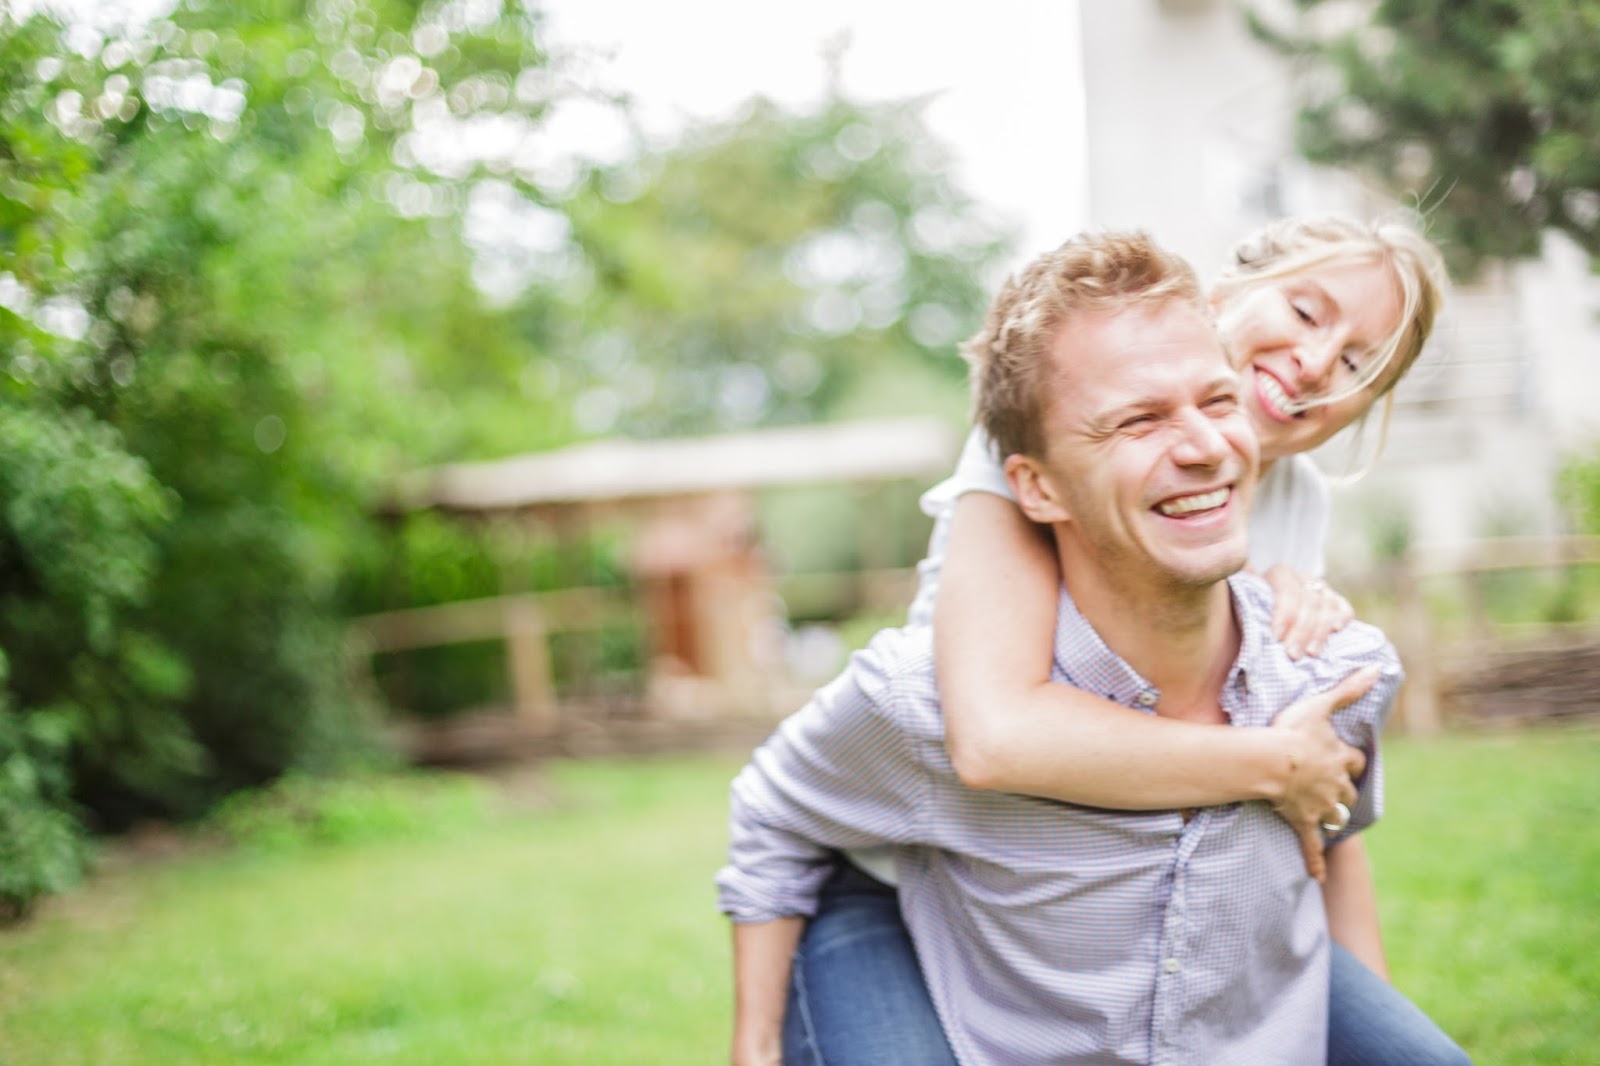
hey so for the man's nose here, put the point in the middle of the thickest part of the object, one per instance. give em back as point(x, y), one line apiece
point(1203, 443)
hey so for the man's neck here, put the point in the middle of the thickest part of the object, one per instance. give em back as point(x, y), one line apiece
point(1182, 639)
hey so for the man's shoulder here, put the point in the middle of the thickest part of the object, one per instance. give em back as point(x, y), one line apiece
point(898, 659)
point(1356, 644)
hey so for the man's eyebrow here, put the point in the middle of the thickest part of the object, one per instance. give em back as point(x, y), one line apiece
point(1109, 417)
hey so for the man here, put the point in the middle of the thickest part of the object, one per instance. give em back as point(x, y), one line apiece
point(1049, 932)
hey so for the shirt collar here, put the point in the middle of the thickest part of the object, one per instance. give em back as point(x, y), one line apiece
point(1083, 660)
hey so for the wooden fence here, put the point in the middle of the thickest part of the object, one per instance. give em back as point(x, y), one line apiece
point(1444, 661)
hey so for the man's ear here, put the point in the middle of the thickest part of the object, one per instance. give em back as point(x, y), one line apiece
point(1036, 494)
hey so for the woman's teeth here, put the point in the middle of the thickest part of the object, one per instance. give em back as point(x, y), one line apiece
point(1189, 504)
point(1274, 394)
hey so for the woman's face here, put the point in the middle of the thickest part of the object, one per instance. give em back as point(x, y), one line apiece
point(1307, 335)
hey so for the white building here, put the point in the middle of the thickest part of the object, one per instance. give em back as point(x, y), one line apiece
point(1188, 136)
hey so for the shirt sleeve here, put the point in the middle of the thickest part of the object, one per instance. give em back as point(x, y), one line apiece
point(840, 772)
point(1361, 723)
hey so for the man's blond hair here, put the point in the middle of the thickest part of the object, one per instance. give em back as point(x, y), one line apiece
point(1008, 359)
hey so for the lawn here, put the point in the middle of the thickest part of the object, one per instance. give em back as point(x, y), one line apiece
point(582, 929)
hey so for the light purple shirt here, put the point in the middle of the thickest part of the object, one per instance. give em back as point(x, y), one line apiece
point(1055, 933)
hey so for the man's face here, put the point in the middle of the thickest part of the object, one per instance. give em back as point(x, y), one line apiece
point(1148, 449)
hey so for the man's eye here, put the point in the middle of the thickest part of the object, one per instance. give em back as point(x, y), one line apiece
point(1223, 403)
point(1135, 421)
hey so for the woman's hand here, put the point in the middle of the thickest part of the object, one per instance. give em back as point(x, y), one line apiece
point(1305, 611)
point(1323, 767)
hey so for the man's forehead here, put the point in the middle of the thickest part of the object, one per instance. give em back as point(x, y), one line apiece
point(1141, 344)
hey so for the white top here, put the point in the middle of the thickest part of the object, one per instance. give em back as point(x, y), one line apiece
point(1288, 524)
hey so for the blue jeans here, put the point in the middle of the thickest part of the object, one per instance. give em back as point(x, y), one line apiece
point(857, 997)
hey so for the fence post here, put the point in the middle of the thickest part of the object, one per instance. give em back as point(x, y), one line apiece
point(1419, 700)
point(528, 661)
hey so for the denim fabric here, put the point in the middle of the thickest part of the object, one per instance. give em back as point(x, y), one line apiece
point(1371, 1024)
point(857, 997)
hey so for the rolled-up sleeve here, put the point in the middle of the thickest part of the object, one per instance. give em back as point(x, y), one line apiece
point(1361, 723)
point(838, 773)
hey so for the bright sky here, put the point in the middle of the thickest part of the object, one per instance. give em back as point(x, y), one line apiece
point(1010, 96)
point(1006, 74)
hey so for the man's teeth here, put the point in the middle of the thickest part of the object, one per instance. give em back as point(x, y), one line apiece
point(1275, 394)
point(1189, 504)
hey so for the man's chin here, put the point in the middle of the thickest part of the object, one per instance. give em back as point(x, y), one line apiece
point(1198, 569)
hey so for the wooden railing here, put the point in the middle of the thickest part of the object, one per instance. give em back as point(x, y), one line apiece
point(524, 622)
point(1429, 651)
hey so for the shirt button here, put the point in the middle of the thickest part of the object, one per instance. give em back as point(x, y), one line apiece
point(1171, 966)
point(1147, 699)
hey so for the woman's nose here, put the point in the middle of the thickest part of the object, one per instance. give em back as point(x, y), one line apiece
point(1315, 359)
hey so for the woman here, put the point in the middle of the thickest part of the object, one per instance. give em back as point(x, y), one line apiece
point(1323, 316)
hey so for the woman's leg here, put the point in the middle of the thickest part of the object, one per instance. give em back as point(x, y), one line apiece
point(1371, 1024)
point(857, 997)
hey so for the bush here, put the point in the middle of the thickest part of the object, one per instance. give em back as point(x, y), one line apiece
point(41, 843)
point(78, 518)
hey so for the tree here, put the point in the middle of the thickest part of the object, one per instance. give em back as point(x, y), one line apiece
point(251, 270)
point(778, 267)
point(1483, 113)
point(234, 299)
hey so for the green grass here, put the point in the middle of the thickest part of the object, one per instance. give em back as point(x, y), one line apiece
point(586, 932)
point(582, 934)
point(1488, 871)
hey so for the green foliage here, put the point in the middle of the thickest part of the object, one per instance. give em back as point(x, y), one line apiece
point(776, 268)
point(1579, 488)
point(78, 516)
point(233, 303)
point(1484, 113)
point(40, 846)
point(244, 255)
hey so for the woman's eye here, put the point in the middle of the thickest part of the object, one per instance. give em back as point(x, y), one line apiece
point(1305, 315)
point(1351, 363)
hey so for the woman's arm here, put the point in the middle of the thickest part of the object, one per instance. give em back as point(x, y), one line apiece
point(762, 957)
point(1352, 904)
point(1009, 728)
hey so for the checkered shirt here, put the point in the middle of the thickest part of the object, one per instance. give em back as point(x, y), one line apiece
point(1056, 933)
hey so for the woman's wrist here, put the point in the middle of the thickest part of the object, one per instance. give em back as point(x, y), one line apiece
point(1272, 757)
